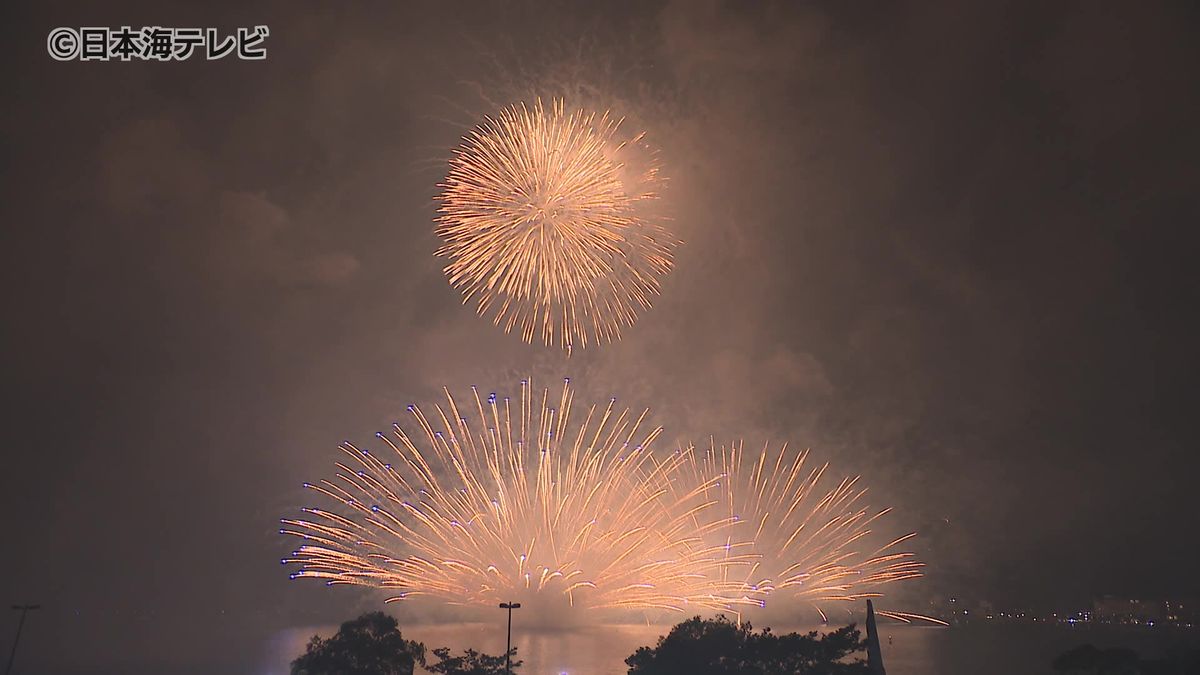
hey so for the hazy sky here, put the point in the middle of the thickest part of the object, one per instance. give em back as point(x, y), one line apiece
point(949, 249)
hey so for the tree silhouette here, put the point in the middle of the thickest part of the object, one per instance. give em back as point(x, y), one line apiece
point(720, 647)
point(470, 663)
point(1088, 660)
point(369, 645)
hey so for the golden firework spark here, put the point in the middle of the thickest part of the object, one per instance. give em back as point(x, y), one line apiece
point(521, 501)
point(525, 500)
point(805, 539)
point(541, 219)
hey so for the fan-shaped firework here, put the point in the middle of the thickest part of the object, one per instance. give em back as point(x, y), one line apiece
point(804, 537)
point(541, 217)
point(529, 499)
point(521, 500)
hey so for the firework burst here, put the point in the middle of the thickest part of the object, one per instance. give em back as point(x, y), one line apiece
point(542, 222)
point(544, 500)
point(805, 539)
point(522, 500)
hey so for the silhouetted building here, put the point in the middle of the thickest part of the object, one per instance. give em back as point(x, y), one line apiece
point(1183, 613)
point(874, 653)
point(1112, 609)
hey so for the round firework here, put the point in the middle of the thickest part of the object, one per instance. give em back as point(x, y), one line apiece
point(543, 221)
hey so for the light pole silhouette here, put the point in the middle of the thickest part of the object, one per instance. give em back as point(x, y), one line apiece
point(510, 606)
point(13, 654)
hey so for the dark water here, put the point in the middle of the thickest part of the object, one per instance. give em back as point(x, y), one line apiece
point(987, 649)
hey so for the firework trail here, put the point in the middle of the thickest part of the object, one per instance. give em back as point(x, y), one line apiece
point(523, 500)
point(804, 539)
point(542, 222)
point(519, 501)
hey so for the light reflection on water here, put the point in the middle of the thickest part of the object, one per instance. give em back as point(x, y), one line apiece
point(911, 650)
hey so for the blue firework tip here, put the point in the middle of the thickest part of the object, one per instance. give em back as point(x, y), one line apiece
point(375, 508)
point(307, 485)
point(492, 397)
point(411, 407)
point(379, 434)
point(566, 380)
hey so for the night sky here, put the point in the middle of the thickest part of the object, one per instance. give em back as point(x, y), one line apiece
point(950, 249)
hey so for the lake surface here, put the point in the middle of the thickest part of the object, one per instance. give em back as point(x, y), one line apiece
point(980, 649)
